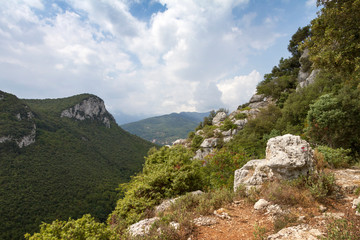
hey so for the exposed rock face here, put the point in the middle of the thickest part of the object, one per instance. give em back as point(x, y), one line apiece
point(180, 142)
point(299, 232)
point(28, 139)
point(287, 157)
point(261, 204)
point(306, 76)
point(259, 101)
point(165, 205)
point(91, 108)
point(220, 116)
point(141, 228)
point(202, 153)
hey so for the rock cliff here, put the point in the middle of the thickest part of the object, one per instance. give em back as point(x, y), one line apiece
point(92, 108)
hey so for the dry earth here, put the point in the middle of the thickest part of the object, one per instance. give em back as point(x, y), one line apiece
point(244, 219)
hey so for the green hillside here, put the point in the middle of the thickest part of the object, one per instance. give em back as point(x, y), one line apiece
point(165, 129)
point(73, 167)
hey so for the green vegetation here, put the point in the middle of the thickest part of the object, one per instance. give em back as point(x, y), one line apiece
point(165, 129)
point(167, 172)
point(83, 228)
point(325, 113)
point(72, 169)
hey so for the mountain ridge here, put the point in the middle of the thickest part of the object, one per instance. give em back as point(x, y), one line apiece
point(72, 165)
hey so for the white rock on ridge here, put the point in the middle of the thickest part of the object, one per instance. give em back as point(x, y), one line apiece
point(287, 157)
point(143, 227)
point(165, 205)
point(202, 153)
point(299, 232)
point(28, 139)
point(210, 143)
point(356, 205)
point(179, 142)
point(90, 108)
point(261, 204)
point(220, 116)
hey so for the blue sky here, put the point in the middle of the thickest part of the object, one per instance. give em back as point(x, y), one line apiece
point(146, 58)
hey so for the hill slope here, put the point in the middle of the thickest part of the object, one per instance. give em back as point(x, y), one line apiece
point(60, 158)
point(166, 128)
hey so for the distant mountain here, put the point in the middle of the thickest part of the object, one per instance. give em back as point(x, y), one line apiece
point(166, 128)
point(61, 158)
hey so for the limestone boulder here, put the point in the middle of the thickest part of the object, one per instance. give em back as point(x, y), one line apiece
point(299, 232)
point(142, 227)
point(287, 157)
point(220, 117)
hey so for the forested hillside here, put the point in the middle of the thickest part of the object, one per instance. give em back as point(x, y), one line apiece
point(165, 129)
point(70, 167)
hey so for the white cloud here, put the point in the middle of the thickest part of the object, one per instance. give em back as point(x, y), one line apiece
point(187, 58)
point(310, 3)
point(239, 89)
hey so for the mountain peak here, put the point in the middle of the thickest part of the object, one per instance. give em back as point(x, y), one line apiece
point(92, 107)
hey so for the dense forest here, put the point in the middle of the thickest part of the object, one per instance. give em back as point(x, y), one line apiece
point(325, 113)
point(72, 168)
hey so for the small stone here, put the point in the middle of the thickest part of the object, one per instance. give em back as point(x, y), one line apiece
point(322, 208)
point(261, 204)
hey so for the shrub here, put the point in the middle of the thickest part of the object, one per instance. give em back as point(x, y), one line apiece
point(167, 172)
point(220, 166)
point(196, 142)
point(259, 232)
point(335, 157)
point(83, 228)
point(343, 229)
point(228, 124)
point(321, 185)
point(240, 116)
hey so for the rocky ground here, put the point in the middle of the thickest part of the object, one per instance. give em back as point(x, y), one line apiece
point(244, 222)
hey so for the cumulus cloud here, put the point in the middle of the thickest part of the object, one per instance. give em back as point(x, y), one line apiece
point(190, 57)
point(239, 89)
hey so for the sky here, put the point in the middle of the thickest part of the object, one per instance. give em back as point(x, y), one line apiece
point(146, 58)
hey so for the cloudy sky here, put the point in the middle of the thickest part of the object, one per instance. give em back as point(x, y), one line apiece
point(146, 57)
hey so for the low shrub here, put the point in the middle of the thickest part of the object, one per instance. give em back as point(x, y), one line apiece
point(240, 116)
point(336, 158)
point(227, 125)
point(343, 229)
point(259, 232)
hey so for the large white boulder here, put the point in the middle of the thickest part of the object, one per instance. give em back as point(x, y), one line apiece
point(220, 116)
point(287, 157)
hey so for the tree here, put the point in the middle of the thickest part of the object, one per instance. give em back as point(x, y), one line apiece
point(335, 36)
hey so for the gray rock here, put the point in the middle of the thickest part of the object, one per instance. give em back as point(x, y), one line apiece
point(166, 204)
point(220, 116)
point(261, 204)
point(299, 232)
point(141, 228)
point(180, 142)
point(204, 221)
point(202, 153)
point(91, 108)
point(28, 139)
point(355, 205)
point(210, 143)
point(287, 157)
point(257, 98)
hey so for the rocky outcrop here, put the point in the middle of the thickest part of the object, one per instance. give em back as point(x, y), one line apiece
point(166, 204)
point(91, 108)
point(220, 116)
point(306, 75)
point(259, 101)
point(287, 157)
point(143, 227)
point(27, 139)
point(299, 232)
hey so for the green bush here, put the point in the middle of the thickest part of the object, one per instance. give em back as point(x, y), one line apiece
point(336, 158)
point(218, 171)
point(196, 142)
point(227, 125)
point(240, 116)
point(167, 172)
point(83, 228)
